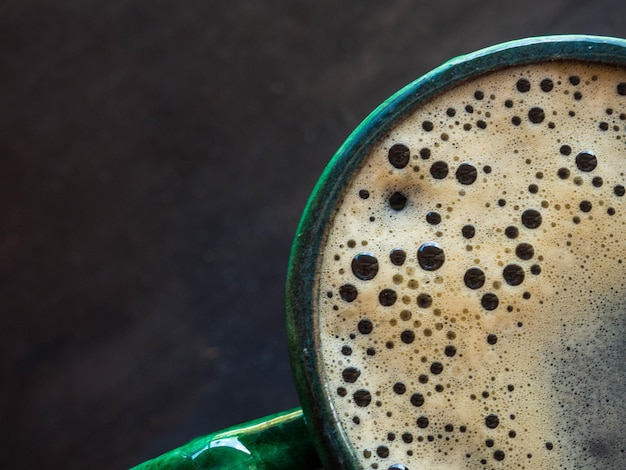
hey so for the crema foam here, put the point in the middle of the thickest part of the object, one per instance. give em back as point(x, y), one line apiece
point(471, 292)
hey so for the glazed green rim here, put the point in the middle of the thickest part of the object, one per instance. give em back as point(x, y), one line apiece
point(303, 338)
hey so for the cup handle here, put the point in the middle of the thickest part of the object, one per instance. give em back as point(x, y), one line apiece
point(277, 442)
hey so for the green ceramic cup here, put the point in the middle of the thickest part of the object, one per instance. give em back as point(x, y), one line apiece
point(455, 295)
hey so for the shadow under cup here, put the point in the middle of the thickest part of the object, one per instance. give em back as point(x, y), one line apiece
point(456, 286)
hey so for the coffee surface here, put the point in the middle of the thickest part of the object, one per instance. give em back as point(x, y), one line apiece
point(470, 294)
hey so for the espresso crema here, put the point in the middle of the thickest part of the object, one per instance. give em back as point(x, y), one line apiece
point(471, 292)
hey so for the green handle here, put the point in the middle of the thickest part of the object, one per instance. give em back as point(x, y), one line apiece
point(276, 442)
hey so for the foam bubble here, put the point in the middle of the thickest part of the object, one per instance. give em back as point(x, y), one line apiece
point(484, 324)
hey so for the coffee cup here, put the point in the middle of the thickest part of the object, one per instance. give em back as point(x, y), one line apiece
point(455, 289)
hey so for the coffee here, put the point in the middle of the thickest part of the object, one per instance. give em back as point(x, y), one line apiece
point(471, 289)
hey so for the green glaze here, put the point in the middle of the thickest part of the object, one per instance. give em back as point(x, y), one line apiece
point(288, 440)
point(277, 442)
point(303, 333)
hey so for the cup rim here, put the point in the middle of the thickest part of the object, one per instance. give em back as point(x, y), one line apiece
point(303, 338)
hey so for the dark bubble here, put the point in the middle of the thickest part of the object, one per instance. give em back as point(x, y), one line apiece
point(365, 327)
point(425, 153)
point(450, 112)
point(466, 174)
point(399, 155)
point(387, 297)
point(531, 218)
point(433, 218)
point(621, 89)
point(487, 169)
point(407, 437)
point(382, 452)
point(604, 126)
point(510, 387)
point(492, 339)
point(498, 455)
point(417, 399)
point(397, 256)
point(371, 351)
point(449, 427)
point(362, 397)
point(348, 292)
point(479, 95)
point(533, 188)
point(585, 206)
point(586, 161)
point(407, 336)
point(523, 85)
point(399, 388)
point(481, 124)
point(427, 126)
point(397, 201)
point(524, 251)
point(574, 80)
point(346, 350)
point(398, 466)
point(502, 202)
point(563, 173)
point(511, 232)
point(508, 103)
point(492, 421)
point(549, 445)
point(430, 256)
point(536, 115)
point(513, 274)
point(619, 190)
point(391, 436)
point(565, 150)
point(468, 231)
point(512, 434)
point(474, 278)
point(365, 266)
point(489, 301)
point(351, 374)
point(610, 211)
point(341, 391)
point(422, 422)
point(516, 121)
point(578, 95)
point(436, 368)
point(469, 108)
point(535, 269)
point(364, 194)
point(489, 442)
point(597, 181)
point(423, 379)
point(424, 300)
point(546, 85)
point(450, 351)
point(439, 170)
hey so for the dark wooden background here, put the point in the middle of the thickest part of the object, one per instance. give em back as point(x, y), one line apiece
point(155, 157)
